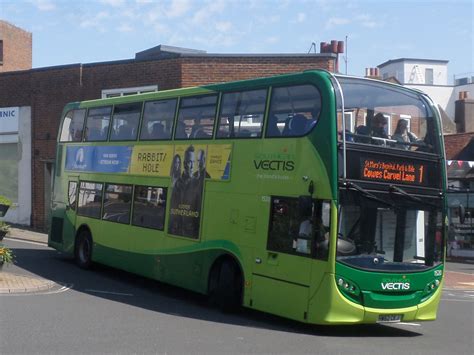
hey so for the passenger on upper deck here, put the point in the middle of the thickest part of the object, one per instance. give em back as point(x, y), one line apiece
point(379, 124)
point(402, 134)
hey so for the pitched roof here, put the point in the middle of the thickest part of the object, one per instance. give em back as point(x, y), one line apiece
point(459, 146)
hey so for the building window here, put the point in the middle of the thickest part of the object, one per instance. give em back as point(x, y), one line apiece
point(429, 77)
point(107, 93)
point(1, 52)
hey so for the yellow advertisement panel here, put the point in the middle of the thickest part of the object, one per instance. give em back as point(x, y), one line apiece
point(218, 161)
point(151, 160)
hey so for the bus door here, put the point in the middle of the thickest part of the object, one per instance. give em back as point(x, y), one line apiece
point(69, 223)
point(282, 262)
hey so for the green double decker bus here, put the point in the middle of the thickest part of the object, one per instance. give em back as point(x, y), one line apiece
point(313, 196)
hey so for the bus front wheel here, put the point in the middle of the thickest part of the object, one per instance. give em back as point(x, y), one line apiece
point(226, 286)
point(83, 250)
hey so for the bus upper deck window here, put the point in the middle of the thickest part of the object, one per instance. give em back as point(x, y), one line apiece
point(97, 125)
point(294, 111)
point(242, 114)
point(125, 122)
point(196, 117)
point(387, 115)
point(73, 125)
point(158, 120)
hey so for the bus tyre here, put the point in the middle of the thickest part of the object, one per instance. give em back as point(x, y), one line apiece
point(83, 250)
point(227, 288)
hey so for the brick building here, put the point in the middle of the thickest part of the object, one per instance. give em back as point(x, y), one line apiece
point(46, 90)
point(15, 48)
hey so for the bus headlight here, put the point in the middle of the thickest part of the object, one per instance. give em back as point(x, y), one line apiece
point(348, 287)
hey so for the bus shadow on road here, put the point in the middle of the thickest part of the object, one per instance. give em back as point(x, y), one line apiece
point(120, 286)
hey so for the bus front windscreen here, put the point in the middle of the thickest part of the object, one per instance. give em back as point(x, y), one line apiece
point(387, 235)
point(387, 116)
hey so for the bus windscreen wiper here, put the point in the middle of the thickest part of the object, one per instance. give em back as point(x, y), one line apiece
point(398, 190)
point(365, 193)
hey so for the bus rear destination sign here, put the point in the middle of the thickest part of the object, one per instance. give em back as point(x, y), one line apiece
point(389, 171)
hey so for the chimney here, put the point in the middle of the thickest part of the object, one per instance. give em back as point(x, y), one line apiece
point(373, 73)
point(463, 95)
point(335, 47)
point(464, 113)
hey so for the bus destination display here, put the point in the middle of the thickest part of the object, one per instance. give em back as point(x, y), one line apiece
point(392, 172)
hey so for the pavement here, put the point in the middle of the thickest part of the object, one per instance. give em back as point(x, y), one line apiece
point(11, 283)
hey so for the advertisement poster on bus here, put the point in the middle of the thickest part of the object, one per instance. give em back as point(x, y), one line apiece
point(188, 172)
point(151, 160)
point(102, 159)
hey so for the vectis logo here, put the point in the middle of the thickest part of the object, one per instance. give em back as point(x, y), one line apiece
point(283, 165)
point(395, 286)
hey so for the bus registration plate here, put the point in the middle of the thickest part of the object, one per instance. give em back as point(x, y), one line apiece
point(389, 318)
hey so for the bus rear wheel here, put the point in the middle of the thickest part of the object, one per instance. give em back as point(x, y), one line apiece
point(83, 250)
point(226, 287)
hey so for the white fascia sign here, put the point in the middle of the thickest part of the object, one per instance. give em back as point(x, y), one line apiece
point(9, 117)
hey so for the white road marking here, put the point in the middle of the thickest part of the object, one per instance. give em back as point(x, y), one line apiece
point(412, 324)
point(39, 293)
point(62, 289)
point(109, 292)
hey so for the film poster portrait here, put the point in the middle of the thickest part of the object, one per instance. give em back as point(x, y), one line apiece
point(188, 172)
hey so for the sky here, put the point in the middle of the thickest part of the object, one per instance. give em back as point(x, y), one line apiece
point(87, 31)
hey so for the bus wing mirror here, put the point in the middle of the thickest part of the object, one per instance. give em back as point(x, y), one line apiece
point(305, 204)
point(462, 214)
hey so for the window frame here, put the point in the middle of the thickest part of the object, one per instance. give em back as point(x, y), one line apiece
point(164, 208)
point(101, 199)
point(313, 251)
point(264, 115)
point(103, 202)
point(87, 120)
point(317, 119)
point(83, 125)
point(173, 121)
point(111, 124)
point(76, 195)
point(218, 96)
